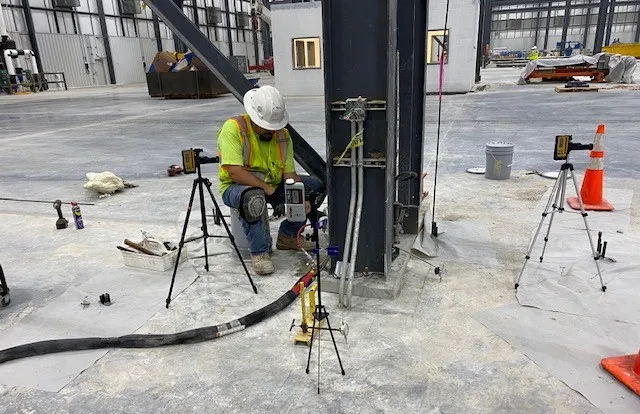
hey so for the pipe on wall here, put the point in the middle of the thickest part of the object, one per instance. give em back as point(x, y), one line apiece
point(10, 54)
point(8, 60)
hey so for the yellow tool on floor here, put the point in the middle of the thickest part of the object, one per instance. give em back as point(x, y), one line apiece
point(306, 324)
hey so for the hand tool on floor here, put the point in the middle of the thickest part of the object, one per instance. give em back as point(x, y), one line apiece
point(62, 222)
point(140, 248)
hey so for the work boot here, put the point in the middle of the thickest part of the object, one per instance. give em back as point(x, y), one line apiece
point(289, 243)
point(262, 264)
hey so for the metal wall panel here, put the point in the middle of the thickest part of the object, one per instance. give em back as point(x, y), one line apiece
point(168, 45)
point(149, 50)
point(64, 53)
point(127, 59)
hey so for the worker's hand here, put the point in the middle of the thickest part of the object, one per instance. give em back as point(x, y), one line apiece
point(278, 210)
point(268, 190)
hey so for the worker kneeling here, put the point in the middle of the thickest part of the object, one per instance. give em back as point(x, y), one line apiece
point(256, 157)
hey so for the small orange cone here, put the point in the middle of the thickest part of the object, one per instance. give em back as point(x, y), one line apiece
point(593, 181)
point(626, 369)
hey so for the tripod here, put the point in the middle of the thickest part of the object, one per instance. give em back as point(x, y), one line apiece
point(198, 184)
point(556, 203)
point(320, 313)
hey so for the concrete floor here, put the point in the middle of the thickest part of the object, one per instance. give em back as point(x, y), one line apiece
point(421, 353)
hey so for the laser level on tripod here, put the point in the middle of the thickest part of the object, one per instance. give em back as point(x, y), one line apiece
point(563, 147)
point(192, 161)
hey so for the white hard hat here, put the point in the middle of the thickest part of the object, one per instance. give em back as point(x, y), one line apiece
point(534, 48)
point(266, 109)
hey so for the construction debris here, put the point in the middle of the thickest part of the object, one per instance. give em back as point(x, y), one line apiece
point(106, 183)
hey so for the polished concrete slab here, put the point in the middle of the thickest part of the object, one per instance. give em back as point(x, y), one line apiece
point(423, 352)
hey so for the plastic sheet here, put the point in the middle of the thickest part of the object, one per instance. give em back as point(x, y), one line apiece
point(621, 68)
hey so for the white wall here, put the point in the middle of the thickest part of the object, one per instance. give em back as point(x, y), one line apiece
point(291, 21)
point(460, 71)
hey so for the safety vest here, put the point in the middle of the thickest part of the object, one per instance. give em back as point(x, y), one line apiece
point(534, 55)
point(247, 150)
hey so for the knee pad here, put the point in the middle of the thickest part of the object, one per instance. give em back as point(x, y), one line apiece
point(252, 204)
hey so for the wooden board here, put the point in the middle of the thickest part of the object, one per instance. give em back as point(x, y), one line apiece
point(577, 89)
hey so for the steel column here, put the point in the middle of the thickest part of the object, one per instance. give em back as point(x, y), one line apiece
point(256, 49)
point(637, 37)
point(392, 131)
point(32, 34)
point(486, 31)
point(547, 27)
point(107, 44)
point(479, 46)
point(177, 41)
point(412, 33)
point(600, 27)
point(535, 42)
point(235, 81)
point(228, 17)
point(587, 24)
point(156, 31)
point(356, 63)
point(266, 40)
point(612, 9)
point(565, 25)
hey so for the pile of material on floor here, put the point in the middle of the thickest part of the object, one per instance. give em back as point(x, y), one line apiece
point(602, 67)
point(106, 183)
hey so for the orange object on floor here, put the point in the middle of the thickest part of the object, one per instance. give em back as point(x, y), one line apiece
point(593, 182)
point(626, 369)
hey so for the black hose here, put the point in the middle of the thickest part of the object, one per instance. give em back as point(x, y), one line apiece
point(152, 341)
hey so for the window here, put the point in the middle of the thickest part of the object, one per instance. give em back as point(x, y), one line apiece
point(437, 46)
point(306, 53)
point(514, 24)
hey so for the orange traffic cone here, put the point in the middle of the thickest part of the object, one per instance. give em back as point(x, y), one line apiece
point(593, 182)
point(626, 369)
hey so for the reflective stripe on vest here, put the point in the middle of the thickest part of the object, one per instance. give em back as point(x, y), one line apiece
point(281, 139)
point(243, 126)
point(280, 136)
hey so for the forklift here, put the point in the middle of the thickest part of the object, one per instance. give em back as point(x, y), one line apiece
point(5, 299)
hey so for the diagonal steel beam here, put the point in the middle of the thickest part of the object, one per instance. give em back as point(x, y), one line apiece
point(235, 81)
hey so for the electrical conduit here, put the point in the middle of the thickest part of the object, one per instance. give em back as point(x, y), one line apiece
point(349, 234)
point(356, 227)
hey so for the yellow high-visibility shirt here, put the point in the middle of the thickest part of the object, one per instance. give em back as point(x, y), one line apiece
point(264, 158)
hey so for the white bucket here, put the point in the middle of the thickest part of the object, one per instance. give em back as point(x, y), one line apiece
point(499, 160)
point(238, 231)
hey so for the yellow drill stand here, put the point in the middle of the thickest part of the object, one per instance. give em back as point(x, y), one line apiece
point(306, 325)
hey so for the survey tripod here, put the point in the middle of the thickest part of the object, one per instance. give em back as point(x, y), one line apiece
point(320, 313)
point(557, 200)
point(194, 165)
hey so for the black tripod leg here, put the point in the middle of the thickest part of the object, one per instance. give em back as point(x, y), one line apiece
point(231, 238)
point(205, 233)
point(334, 344)
point(313, 332)
point(184, 232)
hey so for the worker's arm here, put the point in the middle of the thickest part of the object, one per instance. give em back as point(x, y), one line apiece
point(289, 166)
point(243, 177)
